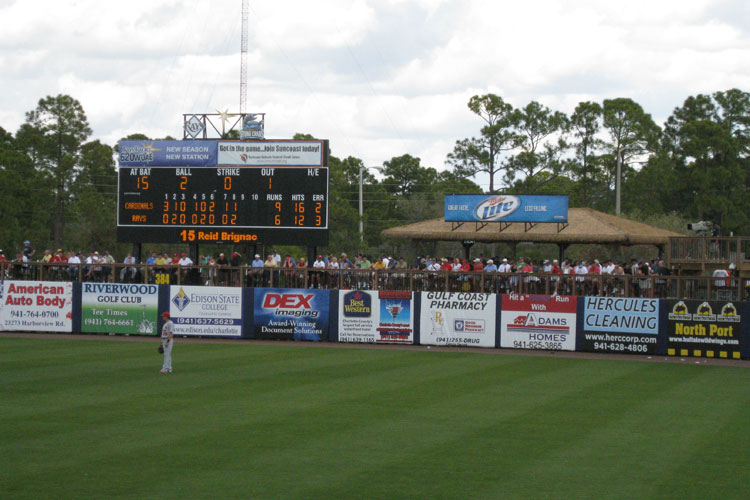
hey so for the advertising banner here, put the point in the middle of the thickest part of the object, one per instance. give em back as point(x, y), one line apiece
point(376, 317)
point(620, 325)
point(291, 314)
point(37, 306)
point(206, 311)
point(462, 319)
point(709, 329)
point(167, 154)
point(505, 208)
point(119, 308)
point(538, 322)
point(272, 153)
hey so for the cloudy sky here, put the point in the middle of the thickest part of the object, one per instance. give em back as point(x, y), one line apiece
point(379, 78)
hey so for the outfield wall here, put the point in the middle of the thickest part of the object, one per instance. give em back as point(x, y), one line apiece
point(713, 329)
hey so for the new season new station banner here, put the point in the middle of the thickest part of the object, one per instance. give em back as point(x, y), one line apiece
point(119, 308)
point(167, 154)
point(36, 306)
point(708, 329)
point(538, 322)
point(376, 317)
point(620, 325)
point(206, 311)
point(291, 314)
point(461, 319)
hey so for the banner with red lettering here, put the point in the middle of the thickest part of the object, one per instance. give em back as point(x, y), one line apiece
point(538, 322)
point(36, 306)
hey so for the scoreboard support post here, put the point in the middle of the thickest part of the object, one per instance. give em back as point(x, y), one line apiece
point(312, 252)
point(193, 253)
point(137, 252)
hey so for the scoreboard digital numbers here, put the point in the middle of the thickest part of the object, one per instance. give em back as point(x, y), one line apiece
point(271, 192)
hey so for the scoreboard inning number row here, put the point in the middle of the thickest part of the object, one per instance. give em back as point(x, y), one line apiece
point(205, 200)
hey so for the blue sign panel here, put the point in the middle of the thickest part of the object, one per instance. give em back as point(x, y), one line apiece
point(168, 153)
point(505, 208)
point(291, 314)
point(622, 325)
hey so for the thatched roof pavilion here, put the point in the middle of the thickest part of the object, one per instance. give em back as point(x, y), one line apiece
point(585, 226)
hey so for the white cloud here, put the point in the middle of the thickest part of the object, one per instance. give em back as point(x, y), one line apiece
point(379, 79)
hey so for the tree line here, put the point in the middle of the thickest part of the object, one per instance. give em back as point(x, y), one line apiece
point(60, 185)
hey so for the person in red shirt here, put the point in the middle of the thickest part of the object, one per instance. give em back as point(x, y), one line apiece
point(58, 257)
point(478, 266)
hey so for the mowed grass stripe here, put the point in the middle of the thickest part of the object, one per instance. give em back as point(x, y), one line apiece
point(461, 451)
point(251, 421)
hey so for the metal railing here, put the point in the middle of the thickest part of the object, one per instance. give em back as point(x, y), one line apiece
point(683, 287)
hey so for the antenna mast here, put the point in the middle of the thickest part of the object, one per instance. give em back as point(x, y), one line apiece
point(243, 52)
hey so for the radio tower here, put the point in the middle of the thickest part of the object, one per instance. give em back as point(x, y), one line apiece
point(243, 52)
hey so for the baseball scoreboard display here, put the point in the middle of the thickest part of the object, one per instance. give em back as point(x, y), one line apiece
point(223, 191)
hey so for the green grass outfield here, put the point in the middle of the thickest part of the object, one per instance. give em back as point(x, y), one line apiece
point(93, 419)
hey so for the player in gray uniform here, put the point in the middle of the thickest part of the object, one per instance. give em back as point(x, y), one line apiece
point(167, 333)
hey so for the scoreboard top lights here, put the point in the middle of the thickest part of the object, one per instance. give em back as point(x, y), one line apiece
point(209, 191)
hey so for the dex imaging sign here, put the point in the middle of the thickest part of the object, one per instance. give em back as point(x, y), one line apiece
point(506, 208)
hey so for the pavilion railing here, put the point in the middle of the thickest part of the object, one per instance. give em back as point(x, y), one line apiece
point(692, 249)
point(683, 287)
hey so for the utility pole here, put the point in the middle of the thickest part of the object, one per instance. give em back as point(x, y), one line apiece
point(243, 52)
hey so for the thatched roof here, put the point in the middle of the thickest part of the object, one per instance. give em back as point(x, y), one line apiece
point(584, 226)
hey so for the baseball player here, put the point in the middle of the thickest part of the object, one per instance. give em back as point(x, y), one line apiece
point(167, 332)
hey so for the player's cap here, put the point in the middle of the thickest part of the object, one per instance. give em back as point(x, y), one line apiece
point(27, 242)
point(476, 260)
point(96, 253)
point(165, 314)
point(257, 256)
point(490, 261)
point(58, 250)
point(546, 261)
point(505, 260)
point(343, 254)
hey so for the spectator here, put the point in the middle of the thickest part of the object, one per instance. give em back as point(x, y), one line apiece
point(222, 264)
point(316, 276)
point(74, 262)
point(28, 250)
point(128, 274)
point(107, 259)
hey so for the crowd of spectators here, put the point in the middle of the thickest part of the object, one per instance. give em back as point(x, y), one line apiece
point(498, 274)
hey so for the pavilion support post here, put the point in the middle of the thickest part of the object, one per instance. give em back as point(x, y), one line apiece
point(513, 246)
point(561, 251)
point(467, 248)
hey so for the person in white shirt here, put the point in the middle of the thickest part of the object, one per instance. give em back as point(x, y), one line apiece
point(277, 257)
point(185, 260)
point(316, 276)
point(547, 267)
point(167, 339)
point(73, 269)
point(504, 266)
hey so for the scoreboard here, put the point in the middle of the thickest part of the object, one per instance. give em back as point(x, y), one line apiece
point(271, 192)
